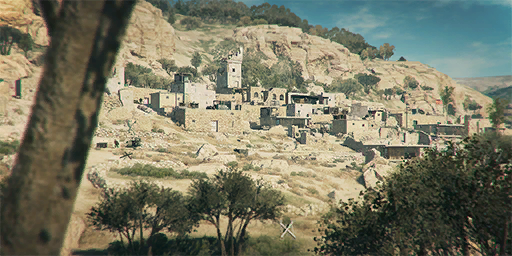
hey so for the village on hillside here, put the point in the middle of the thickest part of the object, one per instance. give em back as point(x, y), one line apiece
point(230, 108)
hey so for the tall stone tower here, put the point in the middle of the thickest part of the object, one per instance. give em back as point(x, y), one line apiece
point(229, 75)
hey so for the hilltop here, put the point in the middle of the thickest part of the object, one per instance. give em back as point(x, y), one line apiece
point(483, 84)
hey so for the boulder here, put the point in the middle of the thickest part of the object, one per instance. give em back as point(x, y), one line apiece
point(279, 129)
point(376, 170)
point(224, 159)
point(206, 152)
point(271, 164)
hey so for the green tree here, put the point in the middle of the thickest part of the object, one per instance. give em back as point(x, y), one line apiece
point(190, 23)
point(240, 199)
point(25, 43)
point(410, 82)
point(446, 95)
point(474, 106)
point(8, 36)
point(246, 20)
point(388, 92)
point(496, 111)
point(368, 81)
point(196, 60)
point(127, 211)
point(210, 70)
point(402, 59)
point(190, 70)
point(135, 74)
point(369, 53)
point(398, 90)
point(169, 66)
point(434, 205)
point(386, 51)
point(349, 86)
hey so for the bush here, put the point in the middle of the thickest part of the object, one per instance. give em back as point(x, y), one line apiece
point(247, 167)
point(232, 164)
point(156, 172)
point(190, 23)
point(8, 148)
point(267, 245)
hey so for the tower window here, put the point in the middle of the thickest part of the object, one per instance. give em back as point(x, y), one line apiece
point(255, 95)
point(233, 70)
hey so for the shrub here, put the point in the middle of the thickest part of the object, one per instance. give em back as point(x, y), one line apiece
point(232, 164)
point(8, 148)
point(312, 191)
point(190, 23)
point(156, 172)
point(256, 168)
point(247, 167)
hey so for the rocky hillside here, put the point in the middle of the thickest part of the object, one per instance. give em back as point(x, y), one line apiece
point(150, 37)
point(483, 84)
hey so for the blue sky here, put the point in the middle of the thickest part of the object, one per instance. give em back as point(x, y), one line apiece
point(461, 38)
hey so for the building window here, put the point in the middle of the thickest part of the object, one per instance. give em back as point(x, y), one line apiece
point(233, 70)
point(193, 121)
point(167, 97)
point(233, 124)
point(178, 98)
point(353, 123)
point(363, 125)
point(277, 122)
point(281, 97)
point(274, 97)
point(255, 95)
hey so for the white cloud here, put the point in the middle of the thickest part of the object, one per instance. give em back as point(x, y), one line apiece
point(468, 3)
point(476, 44)
point(382, 36)
point(362, 22)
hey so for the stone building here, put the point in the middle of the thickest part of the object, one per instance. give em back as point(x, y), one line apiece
point(162, 102)
point(345, 126)
point(229, 75)
point(304, 98)
point(397, 152)
point(257, 95)
point(193, 92)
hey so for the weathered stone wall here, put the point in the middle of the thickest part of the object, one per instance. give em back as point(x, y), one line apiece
point(252, 113)
point(126, 97)
point(299, 110)
point(280, 96)
point(205, 120)
point(256, 94)
point(425, 119)
point(321, 119)
point(235, 98)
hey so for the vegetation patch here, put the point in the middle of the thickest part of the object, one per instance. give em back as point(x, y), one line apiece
point(148, 170)
point(8, 148)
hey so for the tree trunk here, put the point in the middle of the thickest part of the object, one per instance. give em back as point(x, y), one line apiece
point(219, 237)
point(86, 36)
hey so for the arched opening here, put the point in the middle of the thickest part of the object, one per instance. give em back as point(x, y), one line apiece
point(255, 95)
point(274, 97)
point(281, 97)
